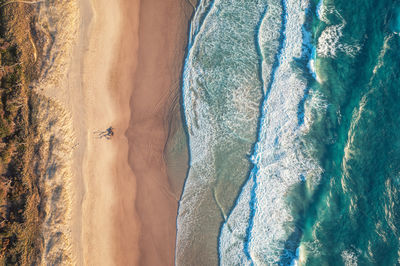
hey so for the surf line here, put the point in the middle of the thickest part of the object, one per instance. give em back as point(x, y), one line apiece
point(267, 89)
point(184, 81)
point(196, 30)
point(184, 84)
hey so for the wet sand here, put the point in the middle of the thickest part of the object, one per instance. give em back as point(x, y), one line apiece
point(162, 41)
point(130, 79)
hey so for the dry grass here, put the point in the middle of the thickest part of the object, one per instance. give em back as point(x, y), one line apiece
point(20, 211)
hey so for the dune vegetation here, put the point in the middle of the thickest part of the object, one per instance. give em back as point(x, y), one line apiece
point(20, 201)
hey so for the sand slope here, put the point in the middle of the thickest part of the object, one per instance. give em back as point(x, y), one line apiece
point(130, 78)
point(162, 41)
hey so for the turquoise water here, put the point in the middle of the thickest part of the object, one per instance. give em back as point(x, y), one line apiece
point(293, 120)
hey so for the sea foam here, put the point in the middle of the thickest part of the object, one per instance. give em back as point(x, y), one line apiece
point(329, 42)
point(221, 95)
point(202, 9)
point(260, 224)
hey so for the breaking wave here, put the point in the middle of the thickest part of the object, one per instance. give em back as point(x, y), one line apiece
point(260, 229)
point(329, 42)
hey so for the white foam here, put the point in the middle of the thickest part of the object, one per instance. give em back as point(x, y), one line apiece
point(382, 53)
point(320, 9)
point(198, 18)
point(233, 233)
point(349, 258)
point(280, 160)
point(221, 92)
point(329, 42)
point(315, 105)
point(311, 65)
point(268, 39)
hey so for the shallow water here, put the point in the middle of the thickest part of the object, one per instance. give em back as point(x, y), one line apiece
point(292, 118)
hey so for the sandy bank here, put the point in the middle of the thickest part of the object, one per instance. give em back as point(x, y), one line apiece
point(130, 80)
point(162, 35)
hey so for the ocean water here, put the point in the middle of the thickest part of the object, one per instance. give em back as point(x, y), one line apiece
point(293, 125)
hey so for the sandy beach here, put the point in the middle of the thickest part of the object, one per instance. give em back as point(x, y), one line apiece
point(126, 67)
point(162, 41)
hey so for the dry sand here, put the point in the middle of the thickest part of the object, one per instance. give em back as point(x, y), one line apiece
point(100, 156)
point(128, 63)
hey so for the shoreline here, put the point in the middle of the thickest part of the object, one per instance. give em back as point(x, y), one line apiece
point(126, 73)
point(162, 36)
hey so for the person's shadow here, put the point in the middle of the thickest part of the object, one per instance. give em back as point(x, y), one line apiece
point(108, 133)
